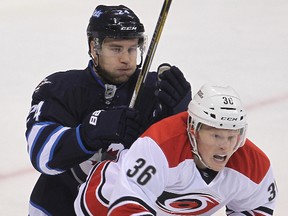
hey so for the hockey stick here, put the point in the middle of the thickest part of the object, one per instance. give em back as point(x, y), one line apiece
point(150, 53)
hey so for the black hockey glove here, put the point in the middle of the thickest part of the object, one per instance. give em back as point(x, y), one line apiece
point(103, 127)
point(174, 90)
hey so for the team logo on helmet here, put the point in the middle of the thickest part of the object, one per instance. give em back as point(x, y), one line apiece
point(200, 93)
point(97, 13)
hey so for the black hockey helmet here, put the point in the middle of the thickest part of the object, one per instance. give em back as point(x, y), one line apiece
point(114, 22)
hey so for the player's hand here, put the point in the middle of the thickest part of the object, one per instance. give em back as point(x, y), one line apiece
point(103, 127)
point(174, 90)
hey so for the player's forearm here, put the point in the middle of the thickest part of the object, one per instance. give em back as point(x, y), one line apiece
point(53, 148)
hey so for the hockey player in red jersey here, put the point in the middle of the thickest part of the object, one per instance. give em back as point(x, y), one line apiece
point(62, 142)
point(192, 163)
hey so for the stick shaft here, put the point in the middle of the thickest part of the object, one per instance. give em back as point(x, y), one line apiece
point(151, 51)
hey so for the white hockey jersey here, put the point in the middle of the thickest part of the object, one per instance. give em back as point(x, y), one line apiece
point(158, 176)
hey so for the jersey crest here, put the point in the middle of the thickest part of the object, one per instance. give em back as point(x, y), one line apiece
point(186, 204)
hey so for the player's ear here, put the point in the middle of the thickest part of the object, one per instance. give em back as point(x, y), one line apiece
point(92, 49)
point(197, 135)
point(93, 52)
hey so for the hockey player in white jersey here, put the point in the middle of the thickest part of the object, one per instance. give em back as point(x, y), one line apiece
point(192, 163)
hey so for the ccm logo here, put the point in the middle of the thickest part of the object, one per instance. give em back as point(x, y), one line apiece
point(229, 119)
point(94, 117)
point(129, 28)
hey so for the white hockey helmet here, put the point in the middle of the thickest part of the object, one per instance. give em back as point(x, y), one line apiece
point(218, 107)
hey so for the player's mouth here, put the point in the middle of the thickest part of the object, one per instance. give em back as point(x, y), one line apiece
point(124, 69)
point(220, 158)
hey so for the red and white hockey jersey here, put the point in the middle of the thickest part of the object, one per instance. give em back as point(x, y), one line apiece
point(158, 176)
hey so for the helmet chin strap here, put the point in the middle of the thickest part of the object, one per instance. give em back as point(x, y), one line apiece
point(100, 72)
point(93, 60)
point(193, 142)
point(195, 149)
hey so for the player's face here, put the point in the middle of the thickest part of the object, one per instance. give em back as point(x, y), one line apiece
point(118, 58)
point(216, 145)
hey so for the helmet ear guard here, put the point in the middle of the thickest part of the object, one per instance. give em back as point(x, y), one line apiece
point(242, 136)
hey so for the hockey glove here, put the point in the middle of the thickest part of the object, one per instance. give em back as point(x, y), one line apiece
point(174, 90)
point(103, 127)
